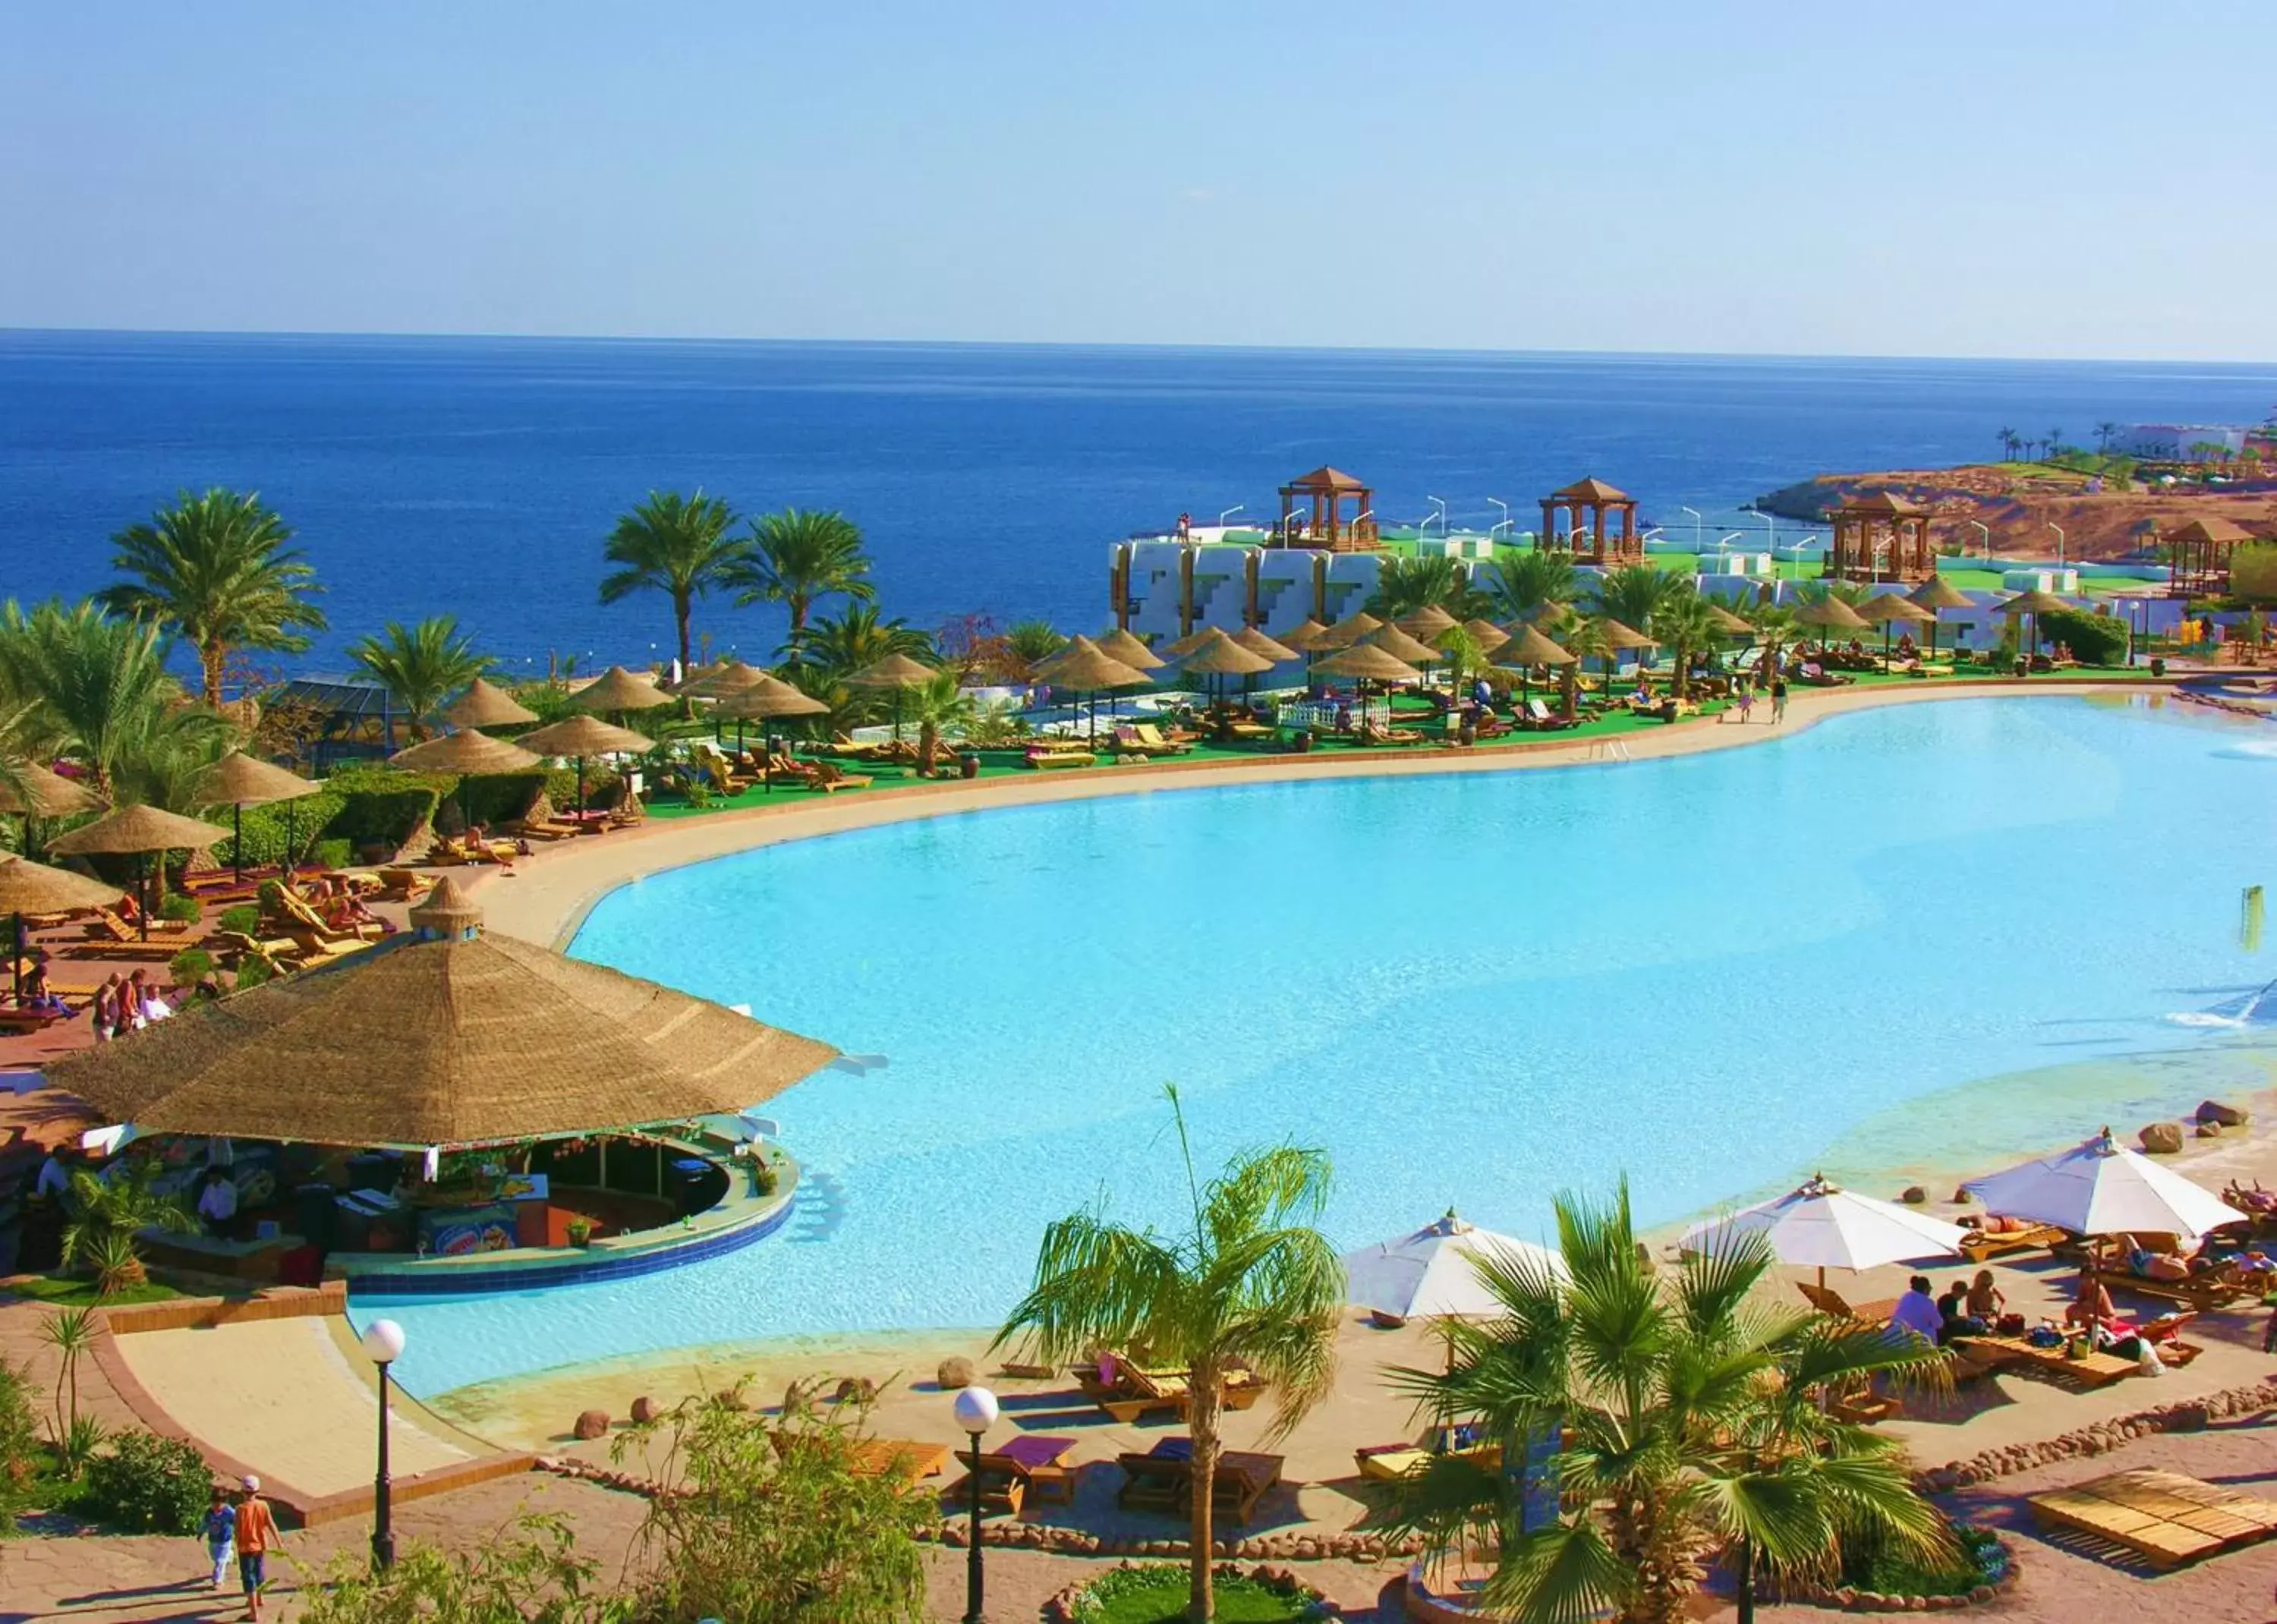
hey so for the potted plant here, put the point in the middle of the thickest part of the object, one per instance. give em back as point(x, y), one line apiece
point(1301, 741)
point(969, 765)
point(2158, 665)
point(580, 1231)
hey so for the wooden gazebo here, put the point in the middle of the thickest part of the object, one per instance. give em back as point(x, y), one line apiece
point(1325, 490)
point(1590, 545)
point(1880, 537)
point(2198, 555)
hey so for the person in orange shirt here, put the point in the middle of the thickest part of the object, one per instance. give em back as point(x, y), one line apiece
point(256, 1537)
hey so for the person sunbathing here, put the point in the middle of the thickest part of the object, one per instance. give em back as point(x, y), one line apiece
point(2148, 1263)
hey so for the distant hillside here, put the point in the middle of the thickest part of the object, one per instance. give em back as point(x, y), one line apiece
point(2017, 506)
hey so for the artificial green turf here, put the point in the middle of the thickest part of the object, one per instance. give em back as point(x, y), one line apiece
point(1158, 1596)
point(67, 1291)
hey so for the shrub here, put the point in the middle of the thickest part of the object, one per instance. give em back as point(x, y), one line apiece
point(2098, 640)
point(20, 1441)
point(265, 828)
point(243, 919)
point(191, 966)
point(335, 853)
point(252, 970)
point(181, 909)
point(146, 1485)
point(1974, 1557)
point(1157, 1590)
point(531, 1578)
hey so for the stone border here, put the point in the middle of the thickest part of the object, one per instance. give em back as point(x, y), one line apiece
point(1061, 1608)
point(2184, 1416)
point(1848, 1598)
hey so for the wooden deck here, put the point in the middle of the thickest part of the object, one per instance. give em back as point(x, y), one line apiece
point(2162, 1517)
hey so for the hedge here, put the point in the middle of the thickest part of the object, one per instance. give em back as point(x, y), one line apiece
point(2098, 640)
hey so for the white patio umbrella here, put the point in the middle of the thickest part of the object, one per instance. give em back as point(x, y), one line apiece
point(1432, 1273)
point(2101, 1187)
point(1825, 1227)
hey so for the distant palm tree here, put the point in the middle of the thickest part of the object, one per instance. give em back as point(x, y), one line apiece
point(81, 681)
point(1251, 1285)
point(421, 665)
point(1405, 585)
point(839, 648)
point(2106, 432)
point(1031, 643)
point(1520, 583)
point(673, 545)
point(935, 706)
point(793, 558)
point(1689, 1414)
point(2053, 443)
point(1683, 624)
point(2009, 443)
point(217, 569)
point(1632, 593)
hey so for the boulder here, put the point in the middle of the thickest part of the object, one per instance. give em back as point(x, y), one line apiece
point(645, 1408)
point(2227, 1116)
point(591, 1424)
point(1914, 1195)
point(2208, 1130)
point(1961, 1197)
point(954, 1372)
point(2162, 1138)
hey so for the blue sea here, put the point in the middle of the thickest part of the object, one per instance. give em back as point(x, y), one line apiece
point(478, 477)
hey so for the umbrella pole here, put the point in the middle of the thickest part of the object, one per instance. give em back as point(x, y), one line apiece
point(143, 894)
point(285, 863)
point(15, 958)
point(237, 841)
point(581, 792)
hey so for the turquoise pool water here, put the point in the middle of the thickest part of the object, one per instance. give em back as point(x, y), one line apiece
point(1474, 989)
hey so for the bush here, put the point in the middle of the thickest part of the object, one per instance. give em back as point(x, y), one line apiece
point(243, 919)
point(2098, 640)
point(333, 853)
point(266, 827)
point(252, 970)
point(1157, 1592)
point(146, 1485)
point(1974, 1557)
point(181, 909)
point(191, 966)
point(532, 1577)
point(20, 1441)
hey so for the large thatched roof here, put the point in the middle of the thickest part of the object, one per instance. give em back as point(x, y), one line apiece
point(453, 1039)
point(138, 829)
point(27, 887)
point(485, 704)
point(241, 780)
point(619, 689)
point(27, 786)
point(469, 752)
point(584, 735)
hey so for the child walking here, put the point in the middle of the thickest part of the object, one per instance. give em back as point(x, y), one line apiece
point(257, 1536)
point(221, 1534)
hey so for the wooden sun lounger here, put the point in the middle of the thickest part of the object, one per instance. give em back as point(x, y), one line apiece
point(826, 776)
point(2087, 1370)
point(2205, 1293)
point(1044, 759)
point(107, 927)
point(1131, 1395)
point(1030, 1466)
point(156, 950)
point(1981, 1247)
point(1875, 1314)
point(1165, 1483)
point(2163, 1517)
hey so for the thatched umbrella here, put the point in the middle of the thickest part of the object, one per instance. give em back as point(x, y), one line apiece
point(1886, 609)
point(770, 697)
point(1258, 643)
point(485, 704)
point(1619, 638)
point(721, 681)
point(1304, 637)
point(1220, 656)
point(618, 690)
point(896, 672)
point(1400, 646)
point(1938, 592)
point(1829, 613)
point(1489, 636)
point(1528, 649)
point(1084, 667)
point(469, 754)
point(453, 1037)
point(1177, 649)
point(2033, 603)
point(581, 736)
point(1724, 621)
point(1346, 632)
point(1425, 625)
point(1120, 645)
point(27, 887)
point(31, 790)
point(138, 831)
point(238, 781)
point(1367, 662)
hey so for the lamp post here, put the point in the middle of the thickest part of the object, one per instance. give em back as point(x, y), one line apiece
point(382, 1340)
point(1699, 525)
point(1771, 540)
point(2059, 542)
point(1442, 507)
point(1227, 513)
point(1505, 521)
point(976, 1413)
point(1984, 535)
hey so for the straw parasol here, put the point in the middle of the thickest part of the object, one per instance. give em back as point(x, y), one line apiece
point(895, 672)
point(1822, 1227)
point(769, 696)
point(1346, 632)
point(1489, 636)
point(1426, 623)
point(1724, 620)
point(1620, 636)
point(1886, 609)
point(27, 887)
point(2035, 603)
point(1304, 637)
point(2100, 1188)
point(1268, 647)
point(1528, 649)
point(1220, 656)
point(138, 831)
point(1177, 649)
point(1829, 613)
point(238, 781)
point(485, 704)
point(1400, 646)
point(33, 790)
point(1938, 592)
point(1368, 661)
point(619, 690)
point(1085, 668)
point(456, 1037)
point(1120, 645)
point(469, 754)
point(722, 681)
point(581, 736)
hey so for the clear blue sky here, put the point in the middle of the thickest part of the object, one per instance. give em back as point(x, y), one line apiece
point(1808, 177)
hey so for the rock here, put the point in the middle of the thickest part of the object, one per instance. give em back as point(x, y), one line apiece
point(1914, 1195)
point(1983, 1594)
point(2227, 1116)
point(1961, 1197)
point(2188, 1418)
point(2162, 1138)
point(954, 1373)
point(591, 1424)
point(2208, 1130)
point(645, 1408)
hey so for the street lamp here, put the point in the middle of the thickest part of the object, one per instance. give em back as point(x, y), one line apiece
point(1505, 523)
point(2060, 542)
point(1442, 507)
point(382, 1340)
point(1985, 534)
point(976, 1413)
point(1227, 513)
point(1698, 524)
point(1770, 542)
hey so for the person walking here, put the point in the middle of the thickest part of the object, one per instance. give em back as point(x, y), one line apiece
point(1779, 701)
point(221, 1533)
point(1747, 703)
point(256, 1537)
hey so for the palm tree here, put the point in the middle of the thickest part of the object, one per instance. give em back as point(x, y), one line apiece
point(1686, 1414)
point(421, 665)
point(841, 647)
point(2009, 442)
point(98, 686)
point(1031, 643)
point(2053, 443)
point(1252, 1284)
point(103, 1216)
point(795, 557)
point(1776, 627)
point(2106, 432)
point(1633, 594)
point(1684, 624)
point(935, 706)
point(1405, 585)
point(217, 569)
point(673, 545)
point(1520, 583)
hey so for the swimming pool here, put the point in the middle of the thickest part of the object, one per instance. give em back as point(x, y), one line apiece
point(1474, 988)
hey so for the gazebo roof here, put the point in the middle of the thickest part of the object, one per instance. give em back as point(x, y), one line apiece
point(2216, 529)
point(1883, 503)
point(1591, 490)
point(1325, 478)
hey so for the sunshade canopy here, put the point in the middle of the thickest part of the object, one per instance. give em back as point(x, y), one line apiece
point(2101, 1187)
point(1221, 657)
point(485, 704)
point(771, 696)
point(1886, 607)
point(584, 735)
point(27, 786)
point(729, 677)
point(1087, 668)
point(1368, 663)
point(2033, 603)
point(1725, 621)
point(1433, 1273)
point(1120, 645)
point(1831, 614)
point(1177, 649)
point(1939, 593)
point(1485, 634)
point(1530, 647)
point(1620, 636)
point(466, 751)
point(1304, 637)
point(1400, 646)
point(1346, 632)
point(448, 1039)
point(29, 887)
point(1426, 623)
point(1267, 648)
point(619, 689)
point(138, 829)
point(241, 780)
point(895, 670)
point(1821, 1226)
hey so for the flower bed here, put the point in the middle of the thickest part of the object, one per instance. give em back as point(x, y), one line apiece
point(1155, 1593)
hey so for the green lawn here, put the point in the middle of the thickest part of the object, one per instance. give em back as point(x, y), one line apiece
point(67, 1291)
point(1157, 1595)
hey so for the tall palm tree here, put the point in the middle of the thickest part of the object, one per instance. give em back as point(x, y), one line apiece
point(1250, 1284)
point(1520, 583)
point(97, 687)
point(1686, 1415)
point(677, 545)
point(1405, 585)
point(217, 569)
point(421, 665)
point(2053, 443)
point(2009, 442)
point(934, 706)
point(1684, 624)
point(1633, 592)
point(1031, 643)
point(793, 558)
point(838, 648)
point(2106, 432)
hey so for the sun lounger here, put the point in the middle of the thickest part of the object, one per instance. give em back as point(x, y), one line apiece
point(2163, 1517)
point(1045, 760)
point(1390, 1462)
point(156, 950)
point(1875, 1314)
point(1178, 743)
point(1129, 742)
point(107, 927)
point(16, 1022)
point(295, 914)
point(1539, 718)
point(827, 777)
point(1030, 1466)
point(2203, 1294)
point(1983, 1245)
point(1132, 1393)
point(1162, 1480)
point(2086, 1371)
